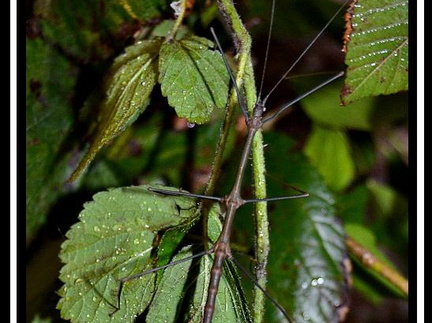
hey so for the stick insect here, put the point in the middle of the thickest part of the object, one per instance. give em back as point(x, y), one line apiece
point(108, 236)
point(233, 201)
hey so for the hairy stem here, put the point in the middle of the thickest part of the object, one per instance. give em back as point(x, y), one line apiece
point(245, 79)
point(243, 45)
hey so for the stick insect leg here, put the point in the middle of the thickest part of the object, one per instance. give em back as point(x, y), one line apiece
point(301, 194)
point(244, 271)
point(150, 271)
point(233, 201)
point(183, 193)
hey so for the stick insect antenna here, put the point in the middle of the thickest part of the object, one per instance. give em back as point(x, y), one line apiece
point(304, 52)
point(267, 50)
point(240, 98)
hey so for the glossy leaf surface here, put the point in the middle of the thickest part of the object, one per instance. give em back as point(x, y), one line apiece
point(193, 78)
point(306, 265)
point(113, 240)
point(377, 51)
point(131, 81)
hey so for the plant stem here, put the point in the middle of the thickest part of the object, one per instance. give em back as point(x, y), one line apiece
point(245, 79)
point(181, 14)
point(262, 237)
point(370, 261)
point(243, 56)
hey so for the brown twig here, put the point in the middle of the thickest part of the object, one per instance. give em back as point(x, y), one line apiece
point(376, 265)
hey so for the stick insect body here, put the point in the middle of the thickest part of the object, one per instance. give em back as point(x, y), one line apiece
point(233, 200)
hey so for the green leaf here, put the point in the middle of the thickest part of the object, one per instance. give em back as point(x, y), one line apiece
point(193, 78)
point(324, 108)
point(192, 277)
point(49, 116)
point(132, 78)
point(391, 216)
point(306, 271)
point(387, 199)
point(85, 30)
point(329, 151)
point(113, 240)
point(377, 51)
point(352, 205)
